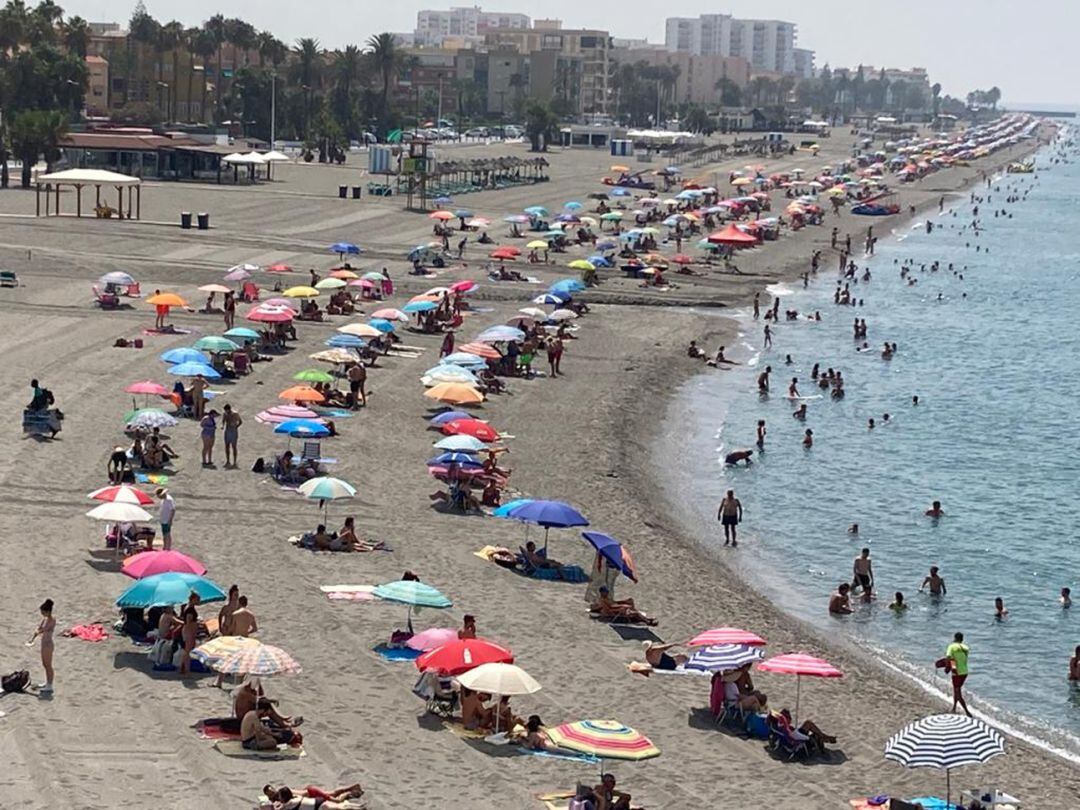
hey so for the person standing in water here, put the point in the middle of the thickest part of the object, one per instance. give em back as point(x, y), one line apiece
point(863, 572)
point(768, 337)
point(761, 434)
point(730, 516)
point(45, 632)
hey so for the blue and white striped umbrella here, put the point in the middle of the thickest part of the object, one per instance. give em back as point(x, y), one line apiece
point(944, 741)
point(723, 658)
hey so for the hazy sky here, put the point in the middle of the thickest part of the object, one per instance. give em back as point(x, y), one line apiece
point(1031, 49)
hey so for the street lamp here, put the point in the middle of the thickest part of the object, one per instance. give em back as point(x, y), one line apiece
point(273, 105)
point(168, 99)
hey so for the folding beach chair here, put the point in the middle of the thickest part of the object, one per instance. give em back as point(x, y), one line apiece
point(311, 451)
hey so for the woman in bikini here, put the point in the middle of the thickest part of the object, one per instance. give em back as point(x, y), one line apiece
point(45, 631)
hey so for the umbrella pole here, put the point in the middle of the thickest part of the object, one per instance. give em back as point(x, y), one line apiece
point(546, 530)
point(798, 690)
point(948, 789)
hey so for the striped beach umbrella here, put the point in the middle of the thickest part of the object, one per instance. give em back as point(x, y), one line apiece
point(262, 660)
point(606, 739)
point(220, 648)
point(799, 664)
point(726, 635)
point(944, 741)
point(723, 658)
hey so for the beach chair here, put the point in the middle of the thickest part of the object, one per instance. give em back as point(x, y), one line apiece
point(249, 292)
point(105, 300)
point(8, 278)
point(133, 290)
point(312, 451)
point(241, 363)
point(444, 700)
point(783, 739)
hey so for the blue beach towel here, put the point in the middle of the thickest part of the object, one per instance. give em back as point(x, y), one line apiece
point(396, 654)
point(567, 755)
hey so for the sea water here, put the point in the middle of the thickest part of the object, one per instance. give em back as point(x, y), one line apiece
point(994, 358)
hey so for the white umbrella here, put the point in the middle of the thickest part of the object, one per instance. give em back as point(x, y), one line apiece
point(119, 512)
point(944, 741)
point(117, 277)
point(534, 312)
point(563, 315)
point(254, 158)
point(325, 489)
point(273, 156)
point(499, 680)
point(360, 330)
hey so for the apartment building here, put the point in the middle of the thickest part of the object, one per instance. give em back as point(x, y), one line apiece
point(767, 45)
point(469, 23)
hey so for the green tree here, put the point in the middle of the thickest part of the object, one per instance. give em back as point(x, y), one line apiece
point(76, 36)
point(35, 134)
point(383, 51)
point(730, 92)
point(215, 28)
point(204, 45)
point(308, 71)
point(695, 119)
point(540, 124)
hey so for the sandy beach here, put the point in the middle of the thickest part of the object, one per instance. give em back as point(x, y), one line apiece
point(116, 732)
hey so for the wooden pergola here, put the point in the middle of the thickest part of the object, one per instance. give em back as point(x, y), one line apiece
point(78, 178)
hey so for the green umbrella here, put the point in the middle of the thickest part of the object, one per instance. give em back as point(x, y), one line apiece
point(213, 343)
point(313, 375)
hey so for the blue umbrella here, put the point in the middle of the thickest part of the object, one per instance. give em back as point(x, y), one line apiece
point(551, 298)
point(419, 306)
point(460, 444)
point(191, 369)
point(568, 218)
point(723, 658)
point(600, 261)
point(449, 416)
point(341, 248)
point(344, 341)
point(498, 334)
point(160, 590)
point(302, 428)
point(613, 552)
point(183, 355)
point(444, 200)
point(455, 457)
point(243, 333)
point(537, 210)
point(573, 206)
point(414, 593)
point(619, 192)
point(607, 244)
point(382, 324)
point(463, 213)
point(567, 285)
point(465, 360)
point(505, 510)
point(549, 514)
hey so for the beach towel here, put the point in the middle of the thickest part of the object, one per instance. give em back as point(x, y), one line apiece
point(567, 755)
point(210, 729)
point(87, 632)
point(235, 748)
point(568, 573)
point(363, 545)
point(151, 478)
point(396, 654)
point(349, 593)
point(169, 330)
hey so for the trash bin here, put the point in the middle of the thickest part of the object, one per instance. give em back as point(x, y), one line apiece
point(356, 192)
point(204, 221)
point(343, 191)
point(185, 220)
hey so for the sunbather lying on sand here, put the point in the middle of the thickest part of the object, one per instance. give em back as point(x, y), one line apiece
point(285, 798)
point(621, 610)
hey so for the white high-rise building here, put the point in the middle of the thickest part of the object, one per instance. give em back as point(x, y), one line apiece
point(768, 45)
point(465, 22)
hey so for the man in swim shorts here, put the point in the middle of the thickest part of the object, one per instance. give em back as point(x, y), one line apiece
point(863, 572)
point(730, 515)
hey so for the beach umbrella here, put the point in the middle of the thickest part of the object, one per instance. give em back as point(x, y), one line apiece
point(732, 236)
point(549, 514)
point(270, 314)
point(121, 494)
point(562, 315)
point(280, 267)
point(480, 350)
point(600, 261)
point(390, 314)
point(221, 647)
point(166, 300)
point(326, 488)
point(944, 741)
point(465, 359)
point(606, 739)
point(448, 416)
point(448, 372)
point(463, 286)
point(799, 664)
point(236, 274)
point(215, 288)
point(119, 512)
point(442, 216)
point(339, 356)
point(454, 457)
point(620, 192)
point(580, 264)
point(566, 287)
point(519, 219)
point(283, 413)
point(302, 429)
point(148, 563)
point(412, 593)
point(301, 393)
point(262, 660)
point(463, 213)
point(313, 375)
point(150, 418)
point(504, 255)
point(344, 341)
point(382, 324)
point(118, 278)
point(172, 588)
point(443, 200)
point(723, 658)
point(614, 552)
point(455, 393)
point(341, 248)
point(607, 244)
point(461, 444)
point(726, 635)
point(499, 679)
point(536, 211)
point(348, 275)
point(419, 306)
point(471, 427)
point(430, 639)
point(537, 244)
point(500, 334)
point(331, 283)
point(148, 387)
point(573, 205)
point(362, 330)
point(505, 510)
point(183, 355)
point(534, 312)
point(194, 370)
point(301, 291)
point(215, 344)
point(373, 276)
point(551, 298)
point(460, 655)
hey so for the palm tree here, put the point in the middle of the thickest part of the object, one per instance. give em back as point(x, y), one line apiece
point(730, 92)
point(384, 53)
point(348, 68)
point(270, 49)
point(309, 69)
point(35, 133)
point(144, 31)
point(203, 44)
point(14, 21)
point(540, 122)
point(172, 39)
point(215, 27)
point(936, 91)
point(76, 36)
point(993, 95)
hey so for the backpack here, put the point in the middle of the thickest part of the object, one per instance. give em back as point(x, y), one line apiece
point(259, 466)
point(15, 682)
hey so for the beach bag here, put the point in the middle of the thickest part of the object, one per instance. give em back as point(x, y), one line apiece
point(945, 664)
point(16, 681)
point(259, 466)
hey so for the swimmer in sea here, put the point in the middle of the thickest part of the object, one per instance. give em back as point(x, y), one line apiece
point(915, 400)
point(793, 389)
point(840, 601)
point(1066, 598)
point(800, 412)
point(787, 360)
point(898, 604)
point(863, 572)
point(885, 418)
point(1000, 611)
point(763, 380)
point(935, 583)
point(768, 337)
point(935, 510)
point(735, 456)
point(853, 528)
point(808, 439)
point(870, 423)
point(761, 434)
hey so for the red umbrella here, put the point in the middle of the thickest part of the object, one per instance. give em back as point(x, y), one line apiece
point(505, 253)
point(121, 494)
point(268, 314)
point(726, 635)
point(463, 286)
point(682, 258)
point(462, 655)
point(732, 236)
point(279, 268)
point(148, 563)
point(480, 350)
point(471, 427)
point(799, 664)
point(147, 387)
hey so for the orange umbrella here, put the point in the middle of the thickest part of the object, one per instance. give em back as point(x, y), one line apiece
point(341, 272)
point(166, 300)
point(455, 394)
point(481, 350)
point(301, 393)
point(441, 215)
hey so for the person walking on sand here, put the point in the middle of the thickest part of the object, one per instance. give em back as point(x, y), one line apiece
point(730, 516)
point(229, 308)
point(198, 401)
point(231, 423)
point(208, 433)
point(166, 514)
point(357, 375)
point(44, 631)
point(957, 656)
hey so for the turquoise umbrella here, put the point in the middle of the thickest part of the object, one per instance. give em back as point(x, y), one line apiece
point(243, 333)
point(169, 589)
point(213, 343)
point(413, 594)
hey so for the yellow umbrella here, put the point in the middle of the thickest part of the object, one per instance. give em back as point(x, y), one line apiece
point(220, 648)
point(301, 292)
point(741, 181)
point(580, 264)
point(537, 244)
point(620, 168)
point(455, 394)
point(166, 300)
point(588, 221)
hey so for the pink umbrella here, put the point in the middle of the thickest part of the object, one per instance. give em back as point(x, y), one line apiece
point(361, 282)
point(799, 664)
point(147, 387)
point(430, 639)
point(283, 413)
point(270, 314)
point(726, 635)
point(148, 563)
point(121, 494)
point(390, 314)
point(289, 303)
point(463, 286)
point(239, 274)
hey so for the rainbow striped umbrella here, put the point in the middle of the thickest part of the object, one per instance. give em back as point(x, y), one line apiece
point(220, 648)
point(606, 739)
point(262, 660)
